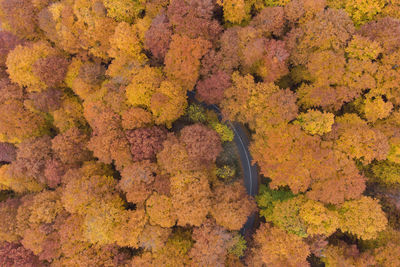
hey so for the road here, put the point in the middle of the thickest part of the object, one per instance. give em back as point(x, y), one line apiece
point(250, 172)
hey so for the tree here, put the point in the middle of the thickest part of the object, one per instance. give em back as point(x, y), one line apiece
point(153, 238)
point(146, 142)
point(375, 108)
point(91, 188)
point(108, 141)
point(8, 211)
point(27, 65)
point(231, 205)
point(387, 252)
point(362, 12)
point(7, 152)
point(225, 132)
point(160, 210)
point(275, 247)
point(288, 156)
point(19, 184)
point(14, 254)
point(19, 17)
point(303, 10)
point(273, 61)
point(109, 223)
point(158, 37)
point(168, 103)
point(95, 28)
point(384, 31)
point(360, 141)
point(345, 183)
point(276, 2)
point(211, 245)
point(238, 247)
point(10, 91)
point(363, 218)
point(270, 21)
point(319, 219)
point(347, 255)
point(177, 163)
point(286, 216)
point(185, 71)
point(363, 48)
point(31, 158)
point(46, 101)
point(267, 198)
point(203, 144)
point(53, 172)
point(85, 77)
point(35, 219)
point(330, 30)
point(69, 114)
point(143, 85)
point(51, 70)
point(35, 210)
point(135, 118)
point(387, 172)
point(137, 180)
point(125, 42)
point(124, 11)
point(194, 19)
point(236, 11)
point(78, 252)
point(211, 90)
point(259, 104)
point(174, 253)
point(316, 122)
point(20, 123)
point(8, 42)
point(70, 146)
point(191, 197)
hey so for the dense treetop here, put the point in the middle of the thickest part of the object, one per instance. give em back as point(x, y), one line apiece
point(106, 161)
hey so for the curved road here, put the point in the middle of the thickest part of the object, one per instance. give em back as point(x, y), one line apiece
point(250, 172)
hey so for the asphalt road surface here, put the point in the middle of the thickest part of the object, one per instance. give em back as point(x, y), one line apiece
point(250, 172)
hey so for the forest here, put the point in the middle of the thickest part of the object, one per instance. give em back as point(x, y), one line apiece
point(110, 154)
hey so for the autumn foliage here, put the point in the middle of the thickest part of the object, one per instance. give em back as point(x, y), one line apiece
point(121, 126)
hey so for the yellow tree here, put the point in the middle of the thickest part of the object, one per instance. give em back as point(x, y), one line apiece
point(143, 85)
point(191, 197)
point(363, 217)
point(20, 64)
point(160, 210)
point(168, 103)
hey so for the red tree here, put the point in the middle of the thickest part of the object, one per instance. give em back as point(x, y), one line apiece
point(203, 144)
point(13, 255)
point(146, 142)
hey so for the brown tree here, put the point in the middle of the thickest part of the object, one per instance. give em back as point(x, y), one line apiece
point(8, 211)
point(7, 152)
point(211, 244)
point(231, 205)
point(70, 146)
point(203, 144)
point(194, 19)
point(174, 157)
point(211, 89)
point(14, 254)
point(158, 37)
point(146, 142)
